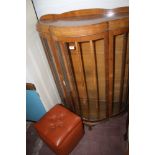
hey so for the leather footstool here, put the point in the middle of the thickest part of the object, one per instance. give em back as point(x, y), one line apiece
point(60, 129)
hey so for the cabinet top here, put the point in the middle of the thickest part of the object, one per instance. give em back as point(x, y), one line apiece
point(81, 20)
point(84, 17)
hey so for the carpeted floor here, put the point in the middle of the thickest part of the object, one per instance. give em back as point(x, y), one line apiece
point(106, 138)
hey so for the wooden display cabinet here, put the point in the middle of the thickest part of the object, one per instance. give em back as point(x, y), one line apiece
point(87, 51)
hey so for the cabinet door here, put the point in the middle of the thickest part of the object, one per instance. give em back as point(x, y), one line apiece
point(84, 61)
point(91, 72)
point(118, 65)
point(55, 65)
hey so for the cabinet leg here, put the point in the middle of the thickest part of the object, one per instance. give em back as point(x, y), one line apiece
point(90, 127)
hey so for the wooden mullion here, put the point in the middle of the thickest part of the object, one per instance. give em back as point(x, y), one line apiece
point(123, 70)
point(127, 88)
point(84, 74)
point(96, 75)
point(74, 78)
point(127, 61)
point(106, 58)
point(111, 71)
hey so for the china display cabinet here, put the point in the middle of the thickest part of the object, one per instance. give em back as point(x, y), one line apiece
point(87, 51)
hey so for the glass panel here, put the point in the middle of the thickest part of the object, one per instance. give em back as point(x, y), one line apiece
point(86, 77)
point(52, 65)
point(119, 49)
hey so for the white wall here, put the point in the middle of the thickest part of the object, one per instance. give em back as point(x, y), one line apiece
point(37, 68)
point(58, 6)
